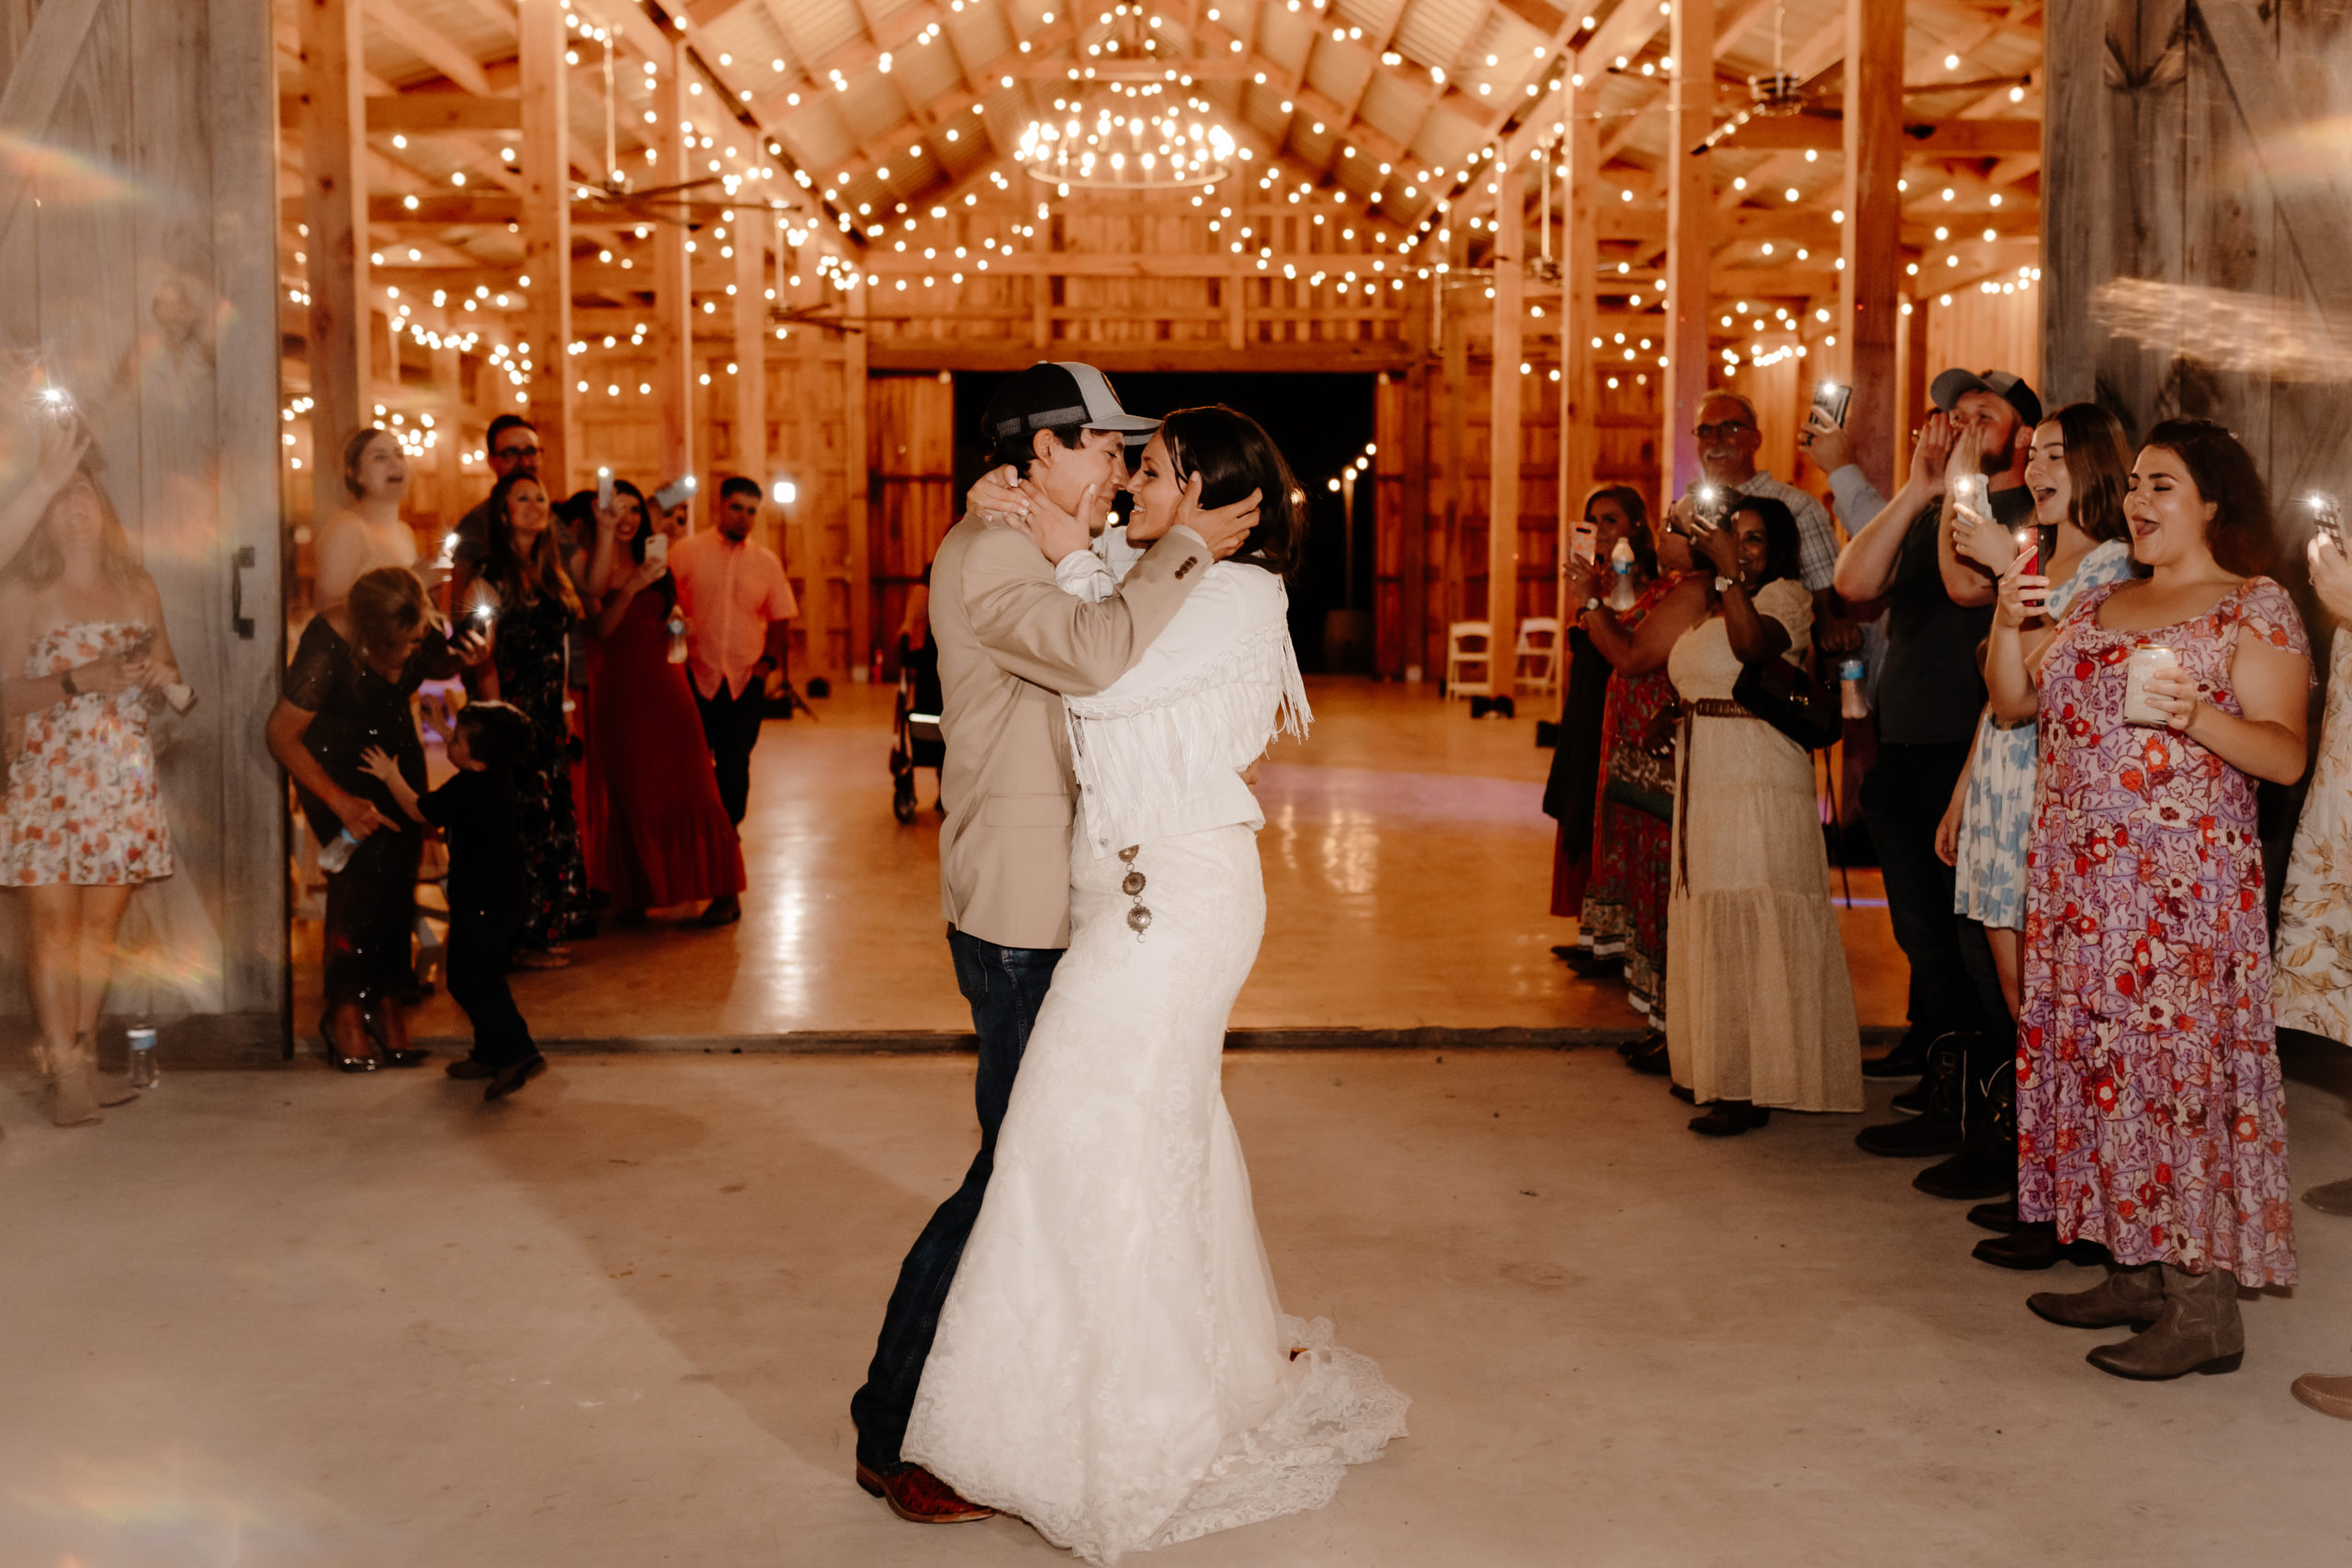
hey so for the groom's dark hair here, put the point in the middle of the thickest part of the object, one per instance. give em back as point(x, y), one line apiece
point(1233, 454)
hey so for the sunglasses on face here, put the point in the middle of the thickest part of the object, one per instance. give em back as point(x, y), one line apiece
point(1723, 432)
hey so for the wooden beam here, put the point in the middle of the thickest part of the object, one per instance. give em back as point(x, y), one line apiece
point(1869, 311)
point(2078, 194)
point(334, 206)
point(547, 234)
point(499, 210)
point(1919, 138)
point(1690, 202)
point(428, 43)
point(1352, 358)
point(673, 312)
point(1502, 434)
point(1453, 304)
point(429, 112)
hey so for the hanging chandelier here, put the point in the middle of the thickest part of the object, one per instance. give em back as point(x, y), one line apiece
point(1128, 122)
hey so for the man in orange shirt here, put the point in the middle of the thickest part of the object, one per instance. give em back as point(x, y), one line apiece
point(737, 601)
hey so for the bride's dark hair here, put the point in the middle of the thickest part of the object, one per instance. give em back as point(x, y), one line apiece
point(1233, 454)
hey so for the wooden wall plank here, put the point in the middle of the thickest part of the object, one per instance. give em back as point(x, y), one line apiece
point(334, 175)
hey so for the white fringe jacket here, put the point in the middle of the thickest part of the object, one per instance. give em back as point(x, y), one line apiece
point(1162, 750)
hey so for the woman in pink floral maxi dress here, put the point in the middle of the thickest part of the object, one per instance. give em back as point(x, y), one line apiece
point(2151, 1111)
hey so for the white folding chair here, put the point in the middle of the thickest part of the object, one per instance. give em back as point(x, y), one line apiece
point(1536, 661)
point(1469, 645)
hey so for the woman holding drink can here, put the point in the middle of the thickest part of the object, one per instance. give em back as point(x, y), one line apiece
point(2151, 1111)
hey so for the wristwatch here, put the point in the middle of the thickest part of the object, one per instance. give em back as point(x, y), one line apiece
point(1590, 604)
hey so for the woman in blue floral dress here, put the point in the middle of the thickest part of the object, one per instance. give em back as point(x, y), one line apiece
point(2151, 1111)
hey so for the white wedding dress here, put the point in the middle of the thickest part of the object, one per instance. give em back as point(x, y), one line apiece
point(1112, 1363)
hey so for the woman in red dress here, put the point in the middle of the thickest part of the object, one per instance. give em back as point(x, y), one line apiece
point(658, 835)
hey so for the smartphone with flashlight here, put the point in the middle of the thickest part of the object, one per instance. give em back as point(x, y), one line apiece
point(604, 489)
point(2327, 516)
point(1832, 399)
point(1974, 493)
point(1584, 541)
point(676, 490)
point(1709, 505)
point(657, 549)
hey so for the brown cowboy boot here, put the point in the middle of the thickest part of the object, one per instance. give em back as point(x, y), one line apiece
point(2199, 1331)
point(2136, 1296)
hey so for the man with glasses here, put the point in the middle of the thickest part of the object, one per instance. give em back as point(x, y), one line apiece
point(513, 445)
point(1728, 439)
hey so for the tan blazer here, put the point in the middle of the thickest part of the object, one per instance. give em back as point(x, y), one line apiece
point(1009, 643)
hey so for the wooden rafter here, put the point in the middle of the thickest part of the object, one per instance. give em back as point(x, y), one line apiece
point(397, 22)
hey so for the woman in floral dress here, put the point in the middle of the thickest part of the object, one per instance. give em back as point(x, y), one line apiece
point(533, 609)
point(2151, 1111)
point(1625, 896)
point(83, 648)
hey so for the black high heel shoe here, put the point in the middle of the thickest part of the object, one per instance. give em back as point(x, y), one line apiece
point(333, 1052)
point(409, 1057)
point(1729, 1118)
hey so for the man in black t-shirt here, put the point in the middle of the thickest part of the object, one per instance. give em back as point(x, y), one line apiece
point(1929, 694)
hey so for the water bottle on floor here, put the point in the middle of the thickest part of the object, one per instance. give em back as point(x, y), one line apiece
point(144, 1071)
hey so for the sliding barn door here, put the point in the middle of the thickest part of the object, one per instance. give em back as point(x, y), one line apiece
point(911, 427)
point(137, 271)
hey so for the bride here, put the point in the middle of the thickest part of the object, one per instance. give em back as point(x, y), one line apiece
point(1112, 1363)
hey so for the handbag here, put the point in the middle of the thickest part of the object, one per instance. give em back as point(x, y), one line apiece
point(1792, 700)
point(1642, 779)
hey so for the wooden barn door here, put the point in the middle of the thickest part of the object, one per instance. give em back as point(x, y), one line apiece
point(2197, 217)
point(138, 272)
point(911, 502)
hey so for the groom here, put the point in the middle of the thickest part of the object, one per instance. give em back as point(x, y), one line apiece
point(1011, 642)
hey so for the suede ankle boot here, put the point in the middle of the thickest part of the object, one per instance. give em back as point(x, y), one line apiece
point(2199, 1331)
point(2134, 1296)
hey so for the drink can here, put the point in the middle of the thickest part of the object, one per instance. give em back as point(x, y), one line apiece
point(2145, 661)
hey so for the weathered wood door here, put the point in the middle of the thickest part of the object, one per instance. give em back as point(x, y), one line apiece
point(2198, 218)
point(138, 270)
point(912, 502)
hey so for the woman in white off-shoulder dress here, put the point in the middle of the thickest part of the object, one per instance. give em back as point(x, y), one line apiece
point(1112, 1364)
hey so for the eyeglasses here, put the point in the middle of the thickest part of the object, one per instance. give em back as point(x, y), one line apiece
point(516, 452)
point(1723, 432)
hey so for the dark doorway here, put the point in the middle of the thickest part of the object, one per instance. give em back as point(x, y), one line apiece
point(1320, 422)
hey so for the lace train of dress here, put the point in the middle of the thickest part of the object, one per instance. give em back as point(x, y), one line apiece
point(1112, 1363)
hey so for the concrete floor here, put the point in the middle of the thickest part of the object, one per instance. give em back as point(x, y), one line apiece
point(1408, 866)
point(270, 1318)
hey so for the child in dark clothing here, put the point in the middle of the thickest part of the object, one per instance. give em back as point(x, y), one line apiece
point(475, 811)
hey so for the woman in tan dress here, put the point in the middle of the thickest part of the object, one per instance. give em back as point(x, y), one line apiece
point(1759, 1009)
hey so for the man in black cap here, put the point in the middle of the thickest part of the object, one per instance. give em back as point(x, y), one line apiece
point(1929, 694)
point(1011, 641)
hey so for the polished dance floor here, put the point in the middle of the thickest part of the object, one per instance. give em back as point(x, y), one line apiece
point(1408, 868)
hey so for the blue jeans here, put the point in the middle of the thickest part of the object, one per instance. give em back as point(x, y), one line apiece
point(1005, 985)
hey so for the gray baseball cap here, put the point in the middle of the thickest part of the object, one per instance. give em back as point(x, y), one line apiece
point(1953, 385)
point(1067, 393)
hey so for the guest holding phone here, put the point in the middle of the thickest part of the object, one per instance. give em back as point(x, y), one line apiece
point(2151, 1111)
point(658, 835)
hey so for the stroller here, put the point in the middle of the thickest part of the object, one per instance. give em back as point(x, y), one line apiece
point(917, 742)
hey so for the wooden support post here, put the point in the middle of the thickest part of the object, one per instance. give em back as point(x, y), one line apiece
point(1237, 322)
point(334, 179)
point(1579, 314)
point(749, 237)
point(1413, 552)
point(450, 497)
point(1502, 430)
point(1915, 379)
point(1453, 395)
point(857, 463)
point(1868, 313)
point(2079, 193)
point(546, 225)
point(1689, 199)
point(673, 337)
